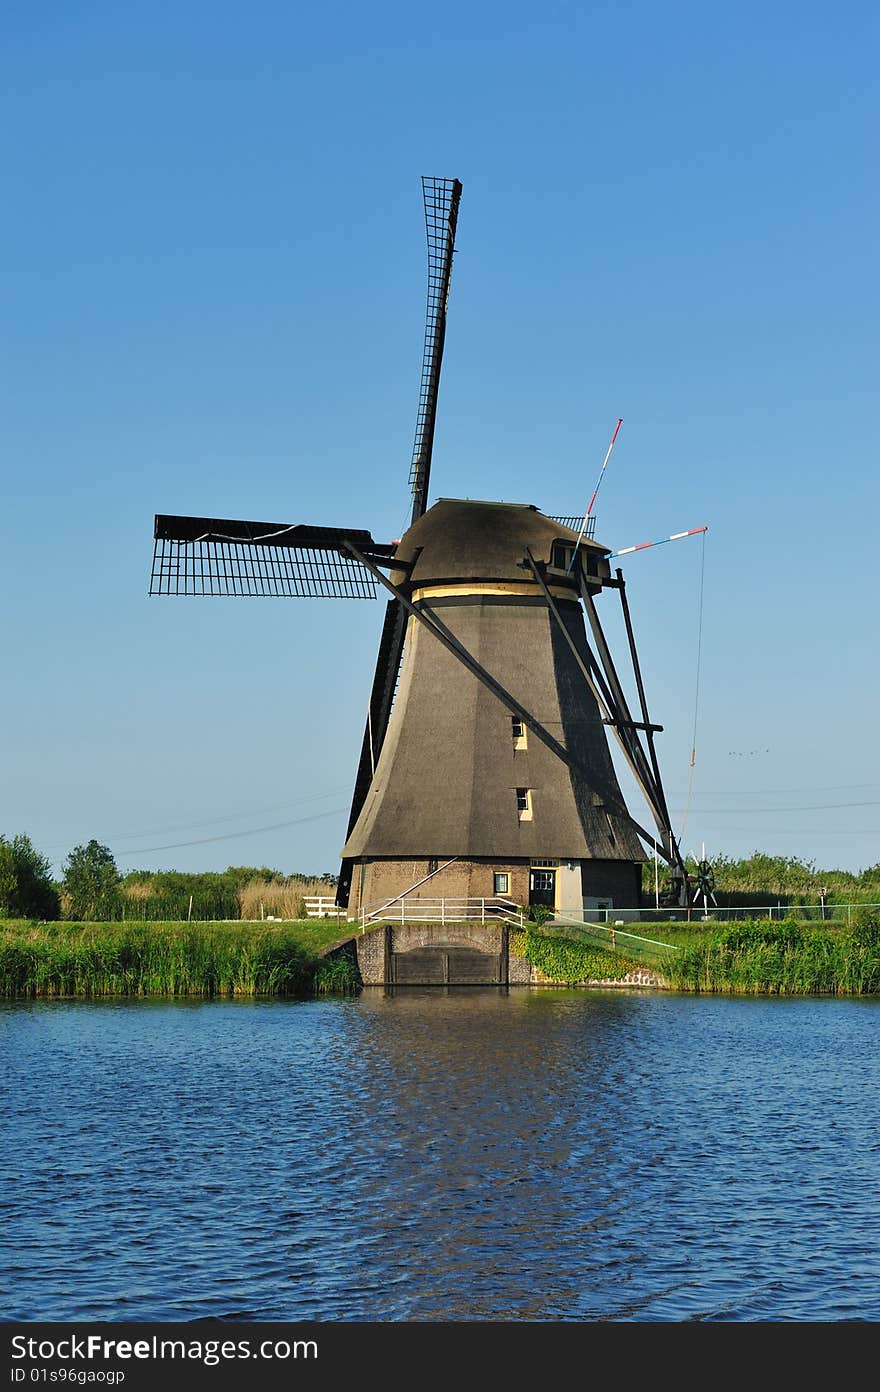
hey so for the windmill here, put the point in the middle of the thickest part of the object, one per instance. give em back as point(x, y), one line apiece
point(484, 767)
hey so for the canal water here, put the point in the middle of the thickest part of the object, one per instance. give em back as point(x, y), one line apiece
point(425, 1155)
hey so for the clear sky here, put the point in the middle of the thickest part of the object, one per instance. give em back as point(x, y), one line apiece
point(213, 284)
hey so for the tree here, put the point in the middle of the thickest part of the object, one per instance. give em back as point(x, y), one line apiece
point(91, 882)
point(26, 886)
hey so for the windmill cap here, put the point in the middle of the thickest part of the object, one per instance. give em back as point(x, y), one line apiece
point(466, 539)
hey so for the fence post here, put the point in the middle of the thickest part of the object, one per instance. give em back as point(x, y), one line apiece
point(482, 911)
point(443, 911)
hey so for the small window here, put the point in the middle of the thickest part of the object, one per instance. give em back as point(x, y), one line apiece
point(518, 731)
point(561, 554)
point(524, 804)
point(502, 884)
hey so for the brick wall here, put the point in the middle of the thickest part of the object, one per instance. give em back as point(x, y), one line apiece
point(619, 881)
point(463, 879)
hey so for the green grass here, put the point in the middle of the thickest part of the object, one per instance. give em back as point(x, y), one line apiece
point(170, 959)
point(205, 960)
point(749, 957)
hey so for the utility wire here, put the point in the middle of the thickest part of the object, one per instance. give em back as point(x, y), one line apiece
point(211, 821)
point(696, 692)
point(235, 835)
point(762, 811)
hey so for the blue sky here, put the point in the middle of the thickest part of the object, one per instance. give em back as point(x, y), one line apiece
point(213, 276)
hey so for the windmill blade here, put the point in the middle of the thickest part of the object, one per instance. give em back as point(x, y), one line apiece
point(215, 556)
point(442, 197)
point(378, 714)
point(589, 512)
point(644, 545)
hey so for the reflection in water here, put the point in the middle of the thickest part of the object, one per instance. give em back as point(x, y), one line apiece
point(423, 1154)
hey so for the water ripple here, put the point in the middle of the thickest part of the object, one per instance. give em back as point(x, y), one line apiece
point(551, 1155)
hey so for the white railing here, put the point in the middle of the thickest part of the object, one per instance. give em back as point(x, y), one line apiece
point(323, 906)
point(819, 910)
point(444, 910)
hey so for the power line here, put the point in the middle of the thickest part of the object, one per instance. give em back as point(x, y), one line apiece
point(761, 811)
point(234, 835)
point(209, 821)
point(761, 792)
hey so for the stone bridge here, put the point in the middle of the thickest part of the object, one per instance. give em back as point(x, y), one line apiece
point(433, 954)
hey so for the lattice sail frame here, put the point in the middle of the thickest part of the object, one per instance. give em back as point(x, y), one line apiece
point(441, 197)
point(193, 557)
point(574, 524)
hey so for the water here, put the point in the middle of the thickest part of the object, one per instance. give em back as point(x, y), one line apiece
point(473, 1155)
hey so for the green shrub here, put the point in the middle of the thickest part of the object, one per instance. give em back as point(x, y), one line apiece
point(865, 929)
point(26, 886)
point(562, 959)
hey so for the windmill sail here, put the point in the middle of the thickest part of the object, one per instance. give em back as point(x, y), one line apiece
point(213, 556)
point(378, 714)
point(442, 197)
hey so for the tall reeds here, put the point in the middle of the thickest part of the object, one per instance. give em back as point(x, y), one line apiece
point(283, 899)
point(157, 959)
point(760, 958)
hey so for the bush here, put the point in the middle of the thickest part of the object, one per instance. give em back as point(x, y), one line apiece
point(563, 959)
point(539, 914)
point(91, 883)
point(27, 889)
point(865, 930)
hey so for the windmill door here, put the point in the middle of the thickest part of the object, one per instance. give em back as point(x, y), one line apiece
point(542, 888)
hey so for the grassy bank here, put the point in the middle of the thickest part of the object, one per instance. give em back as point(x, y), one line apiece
point(203, 960)
point(214, 960)
point(787, 959)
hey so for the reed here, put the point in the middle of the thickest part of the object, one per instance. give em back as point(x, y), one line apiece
point(786, 959)
point(282, 898)
point(160, 959)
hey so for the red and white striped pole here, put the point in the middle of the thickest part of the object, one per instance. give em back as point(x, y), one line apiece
point(676, 536)
point(595, 491)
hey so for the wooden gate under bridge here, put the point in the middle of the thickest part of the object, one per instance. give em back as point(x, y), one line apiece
point(430, 954)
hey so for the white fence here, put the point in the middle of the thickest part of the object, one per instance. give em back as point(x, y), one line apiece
point(323, 906)
point(820, 911)
point(450, 910)
point(403, 910)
